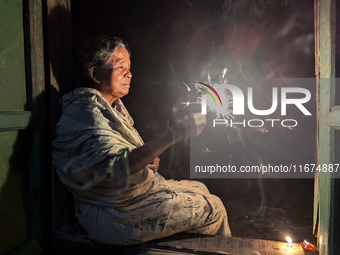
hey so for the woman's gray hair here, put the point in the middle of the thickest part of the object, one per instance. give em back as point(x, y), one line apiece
point(103, 53)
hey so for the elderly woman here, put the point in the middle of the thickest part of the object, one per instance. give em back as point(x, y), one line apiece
point(105, 164)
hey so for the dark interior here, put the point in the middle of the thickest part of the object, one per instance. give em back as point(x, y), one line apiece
point(174, 41)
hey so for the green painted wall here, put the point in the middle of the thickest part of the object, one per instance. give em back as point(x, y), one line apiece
point(14, 191)
point(15, 145)
point(12, 62)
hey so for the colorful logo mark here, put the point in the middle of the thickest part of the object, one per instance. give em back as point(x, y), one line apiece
point(207, 91)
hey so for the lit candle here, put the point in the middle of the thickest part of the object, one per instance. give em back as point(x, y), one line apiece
point(289, 240)
point(308, 247)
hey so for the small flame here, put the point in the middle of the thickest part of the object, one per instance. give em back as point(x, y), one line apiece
point(289, 240)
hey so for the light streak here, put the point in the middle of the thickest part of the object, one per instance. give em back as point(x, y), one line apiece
point(224, 72)
point(240, 138)
point(188, 88)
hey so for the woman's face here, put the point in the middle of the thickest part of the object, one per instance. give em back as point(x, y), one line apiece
point(116, 82)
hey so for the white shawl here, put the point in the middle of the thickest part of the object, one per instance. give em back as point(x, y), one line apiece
point(91, 148)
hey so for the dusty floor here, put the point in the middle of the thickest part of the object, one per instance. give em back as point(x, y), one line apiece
point(271, 224)
point(282, 208)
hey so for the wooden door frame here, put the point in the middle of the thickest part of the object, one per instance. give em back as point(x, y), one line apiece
point(328, 119)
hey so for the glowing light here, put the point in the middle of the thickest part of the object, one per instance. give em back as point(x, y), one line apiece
point(308, 247)
point(289, 240)
point(188, 88)
point(222, 110)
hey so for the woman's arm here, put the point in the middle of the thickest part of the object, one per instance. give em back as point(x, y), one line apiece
point(142, 156)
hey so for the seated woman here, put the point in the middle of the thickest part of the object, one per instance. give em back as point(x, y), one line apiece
point(105, 164)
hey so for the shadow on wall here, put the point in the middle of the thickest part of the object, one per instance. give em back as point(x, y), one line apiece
point(15, 196)
point(59, 77)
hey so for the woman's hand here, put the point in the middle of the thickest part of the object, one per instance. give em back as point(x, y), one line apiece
point(190, 126)
point(154, 165)
point(197, 123)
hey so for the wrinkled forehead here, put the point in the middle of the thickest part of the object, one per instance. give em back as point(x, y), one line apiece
point(121, 56)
